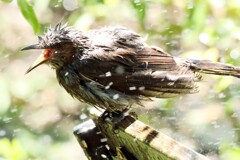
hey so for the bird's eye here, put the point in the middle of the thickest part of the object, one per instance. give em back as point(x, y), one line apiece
point(47, 53)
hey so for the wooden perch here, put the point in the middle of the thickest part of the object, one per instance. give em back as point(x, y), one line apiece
point(133, 140)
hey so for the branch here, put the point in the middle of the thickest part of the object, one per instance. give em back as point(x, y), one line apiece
point(132, 140)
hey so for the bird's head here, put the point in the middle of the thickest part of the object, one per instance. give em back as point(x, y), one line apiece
point(59, 44)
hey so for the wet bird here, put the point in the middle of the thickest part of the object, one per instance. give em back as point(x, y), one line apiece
point(113, 68)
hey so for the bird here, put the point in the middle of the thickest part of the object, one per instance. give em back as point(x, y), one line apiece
point(112, 68)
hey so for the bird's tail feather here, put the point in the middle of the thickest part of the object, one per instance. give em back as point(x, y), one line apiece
point(208, 67)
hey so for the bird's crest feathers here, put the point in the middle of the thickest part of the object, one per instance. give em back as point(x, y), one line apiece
point(60, 33)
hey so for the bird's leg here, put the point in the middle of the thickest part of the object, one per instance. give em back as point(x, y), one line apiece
point(106, 116)
point(117, 116)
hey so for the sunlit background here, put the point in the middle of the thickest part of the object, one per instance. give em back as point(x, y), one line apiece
point(37, 115)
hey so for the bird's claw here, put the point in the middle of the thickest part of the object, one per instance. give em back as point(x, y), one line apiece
point(117, 117)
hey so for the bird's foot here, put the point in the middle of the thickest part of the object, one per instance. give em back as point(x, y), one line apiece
point(117, 117)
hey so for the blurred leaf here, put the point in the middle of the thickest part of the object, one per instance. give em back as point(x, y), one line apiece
point(93, 2)
point(197, 17)
point(84, 22)
point(223, 84)
point(5, 97)
point(12, 150)
point(6, 1)
point(140, 8)
point(111, 2)
point(210, 54)
point(29, 14)
point(230, 153)
point(165, 2)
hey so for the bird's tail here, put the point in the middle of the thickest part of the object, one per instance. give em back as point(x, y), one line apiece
point(208, 67)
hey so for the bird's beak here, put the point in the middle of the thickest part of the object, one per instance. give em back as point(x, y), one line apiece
point(34, 46)
point(40, 60)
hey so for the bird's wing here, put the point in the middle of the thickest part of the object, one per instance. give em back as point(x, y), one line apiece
point(118, 59)
point(148, 71)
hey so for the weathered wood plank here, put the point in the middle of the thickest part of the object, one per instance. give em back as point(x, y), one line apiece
point(135, 140)
point(91, 140)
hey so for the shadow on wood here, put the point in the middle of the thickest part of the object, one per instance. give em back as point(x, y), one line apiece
point(133, 140)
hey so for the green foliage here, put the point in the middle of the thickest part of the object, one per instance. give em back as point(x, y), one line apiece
point(29, 15)
point(92, 2)
point(140, 7)
point(7, 1)
point(197, 16)
point(11, 150)
point(230, 152)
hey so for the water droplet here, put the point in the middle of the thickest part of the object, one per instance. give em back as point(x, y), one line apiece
point(172, 77)
point(2, 133)
point(66, 80)
point(215, 125)
point(221, 95)
point(141, 88)
point(204, 38)
point(234, 54)
point(108, 74)
point(103, 156)
point(83, 116)
point(102, 140)
point(108, 148)
point(119, 70)
point(109, 85)
point(14, 110)
point(132, 88)
point(70, 5)
point(66, 74)
point(116, 96)
point(7, 119)
point(235, 115)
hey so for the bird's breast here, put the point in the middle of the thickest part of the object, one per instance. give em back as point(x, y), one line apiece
point(92, 92)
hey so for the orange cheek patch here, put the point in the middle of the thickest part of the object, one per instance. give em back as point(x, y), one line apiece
point(47, 53)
